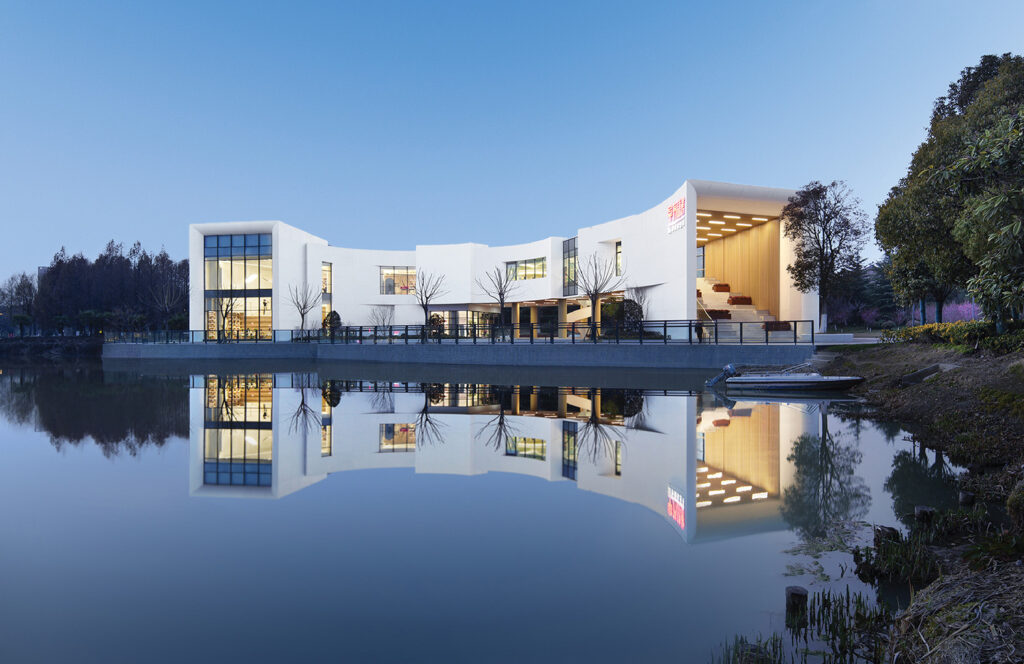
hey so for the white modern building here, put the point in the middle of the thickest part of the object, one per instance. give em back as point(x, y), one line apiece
point(711, 249)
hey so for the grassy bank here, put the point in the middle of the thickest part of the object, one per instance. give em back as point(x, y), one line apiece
point(971, 407)
point(963, 394)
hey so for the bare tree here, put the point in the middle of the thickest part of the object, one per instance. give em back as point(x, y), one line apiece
point(225, 308)
point(167, 297)
point(429, 287)
point(382, 315)
point(498, 284)
point(595, 277)
point(305, 299)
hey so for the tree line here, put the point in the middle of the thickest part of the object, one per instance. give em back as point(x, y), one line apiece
point(119, 291)
point(955, 219)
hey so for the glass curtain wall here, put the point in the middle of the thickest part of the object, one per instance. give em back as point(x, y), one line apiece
point(570, 253)
point(238, 283)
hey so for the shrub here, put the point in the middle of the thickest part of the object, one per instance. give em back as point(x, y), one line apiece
point(1015, 505)
point(777, 326)
point(740, 299)
point(978, 334)
point(721, 288)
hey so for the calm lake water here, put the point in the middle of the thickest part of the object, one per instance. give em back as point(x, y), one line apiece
point(308, 517)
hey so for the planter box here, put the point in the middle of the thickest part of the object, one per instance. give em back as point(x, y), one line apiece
point(719, 314)
point(721, 288)
point(699, 294)
point(776, 326)
point(740, 299)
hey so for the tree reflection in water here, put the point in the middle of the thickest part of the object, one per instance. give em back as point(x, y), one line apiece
point(306, 417)
point(120, 412)
point(916, 481)
point(497, 431)
point(430, 430)
point(598, 437)
point(826, 495)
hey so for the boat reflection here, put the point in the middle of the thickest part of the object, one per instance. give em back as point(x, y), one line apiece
point(712, 467)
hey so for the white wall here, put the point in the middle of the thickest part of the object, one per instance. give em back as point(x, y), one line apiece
point(793, 305)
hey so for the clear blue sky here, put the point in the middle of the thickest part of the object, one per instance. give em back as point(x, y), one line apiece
point(387, 124)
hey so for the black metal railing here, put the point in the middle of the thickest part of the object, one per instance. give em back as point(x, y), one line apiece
point(693, 332)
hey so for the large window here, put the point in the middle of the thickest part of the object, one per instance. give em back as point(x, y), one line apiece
point(618, 258)
point(533, 268)
point(237, 282)
point(397, 437)
point(530, 448)
point(397, 279)
point(700, 262)
point(570, 252)
point(326, 288)
point(239, 318)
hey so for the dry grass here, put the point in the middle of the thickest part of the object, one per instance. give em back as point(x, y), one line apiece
point(964, 617)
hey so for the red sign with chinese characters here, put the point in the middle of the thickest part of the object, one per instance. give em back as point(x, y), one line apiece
point(677, 210)
point(676, 215)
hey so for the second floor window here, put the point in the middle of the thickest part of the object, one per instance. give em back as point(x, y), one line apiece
point(325, 278)
point(397, 279)
point(618, 259)
point(533, 268)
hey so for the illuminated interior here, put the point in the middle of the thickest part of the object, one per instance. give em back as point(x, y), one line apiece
point(238, 285)
point(741, 250)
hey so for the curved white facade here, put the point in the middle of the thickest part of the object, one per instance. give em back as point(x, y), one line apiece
point(659, 249)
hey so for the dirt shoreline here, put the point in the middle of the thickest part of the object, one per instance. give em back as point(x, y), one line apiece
point(970, 406)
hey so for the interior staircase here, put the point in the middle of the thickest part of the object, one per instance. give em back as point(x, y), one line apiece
point(709, 299)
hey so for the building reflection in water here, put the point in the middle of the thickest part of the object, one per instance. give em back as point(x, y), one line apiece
point(711, 468)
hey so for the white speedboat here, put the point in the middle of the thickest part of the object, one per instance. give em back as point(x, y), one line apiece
point(793, 379)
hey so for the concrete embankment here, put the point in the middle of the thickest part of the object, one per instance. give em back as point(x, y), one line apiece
point(670, 356)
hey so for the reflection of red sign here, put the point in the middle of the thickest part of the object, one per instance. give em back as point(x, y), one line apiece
point(677, 513)
point(676, 215)
point(675, 508)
